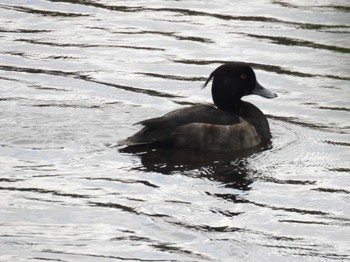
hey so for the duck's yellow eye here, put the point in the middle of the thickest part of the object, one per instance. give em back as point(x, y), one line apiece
point(243, 77)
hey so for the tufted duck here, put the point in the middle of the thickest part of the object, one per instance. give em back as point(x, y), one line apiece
point(230, 125)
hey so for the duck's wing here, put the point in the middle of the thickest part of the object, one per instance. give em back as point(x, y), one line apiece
point(159, 130)
point(194, 114)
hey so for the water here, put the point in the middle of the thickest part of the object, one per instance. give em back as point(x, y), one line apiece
point(75, 76)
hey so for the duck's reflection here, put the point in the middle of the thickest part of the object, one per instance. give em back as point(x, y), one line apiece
point(229, 168)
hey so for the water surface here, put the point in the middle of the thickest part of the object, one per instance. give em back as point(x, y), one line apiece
point(75, 76)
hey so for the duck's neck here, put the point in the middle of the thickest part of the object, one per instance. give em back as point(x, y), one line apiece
point(233, 107)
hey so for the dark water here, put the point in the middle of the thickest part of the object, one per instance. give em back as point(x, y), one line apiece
point(74, 77)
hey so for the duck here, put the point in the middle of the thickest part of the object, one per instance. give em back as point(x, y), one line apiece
point(229, 124)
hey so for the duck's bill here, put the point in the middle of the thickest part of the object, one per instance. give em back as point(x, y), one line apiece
point(262, 91)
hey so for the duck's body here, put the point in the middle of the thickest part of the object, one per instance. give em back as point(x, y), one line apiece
point(231, 125)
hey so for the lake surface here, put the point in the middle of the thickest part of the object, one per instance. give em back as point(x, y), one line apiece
point(76, 75)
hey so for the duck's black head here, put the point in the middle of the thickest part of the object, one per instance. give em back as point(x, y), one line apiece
point(233, 80)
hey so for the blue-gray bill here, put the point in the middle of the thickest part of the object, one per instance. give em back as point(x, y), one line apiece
point(262, 91)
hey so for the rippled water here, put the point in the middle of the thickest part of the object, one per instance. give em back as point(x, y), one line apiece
point(75, 75)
